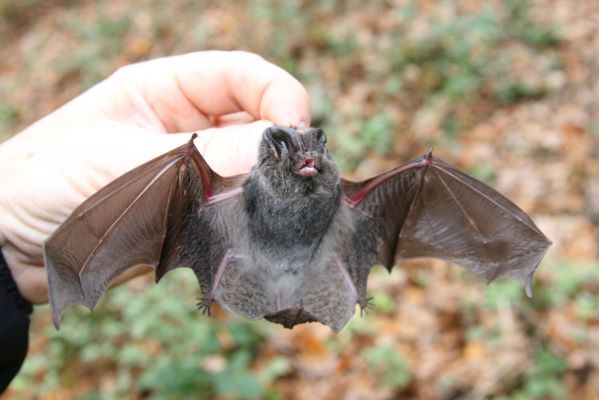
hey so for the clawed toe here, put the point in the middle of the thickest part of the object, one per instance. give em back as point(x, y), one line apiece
point(366, 305)
point(204, 304)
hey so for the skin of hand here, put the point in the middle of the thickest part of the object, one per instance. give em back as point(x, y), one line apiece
point(138, 113)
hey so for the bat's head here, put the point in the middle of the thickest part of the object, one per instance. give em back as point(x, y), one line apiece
point(302, 153)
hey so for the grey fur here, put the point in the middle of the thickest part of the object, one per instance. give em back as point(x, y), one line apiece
point(285, 269)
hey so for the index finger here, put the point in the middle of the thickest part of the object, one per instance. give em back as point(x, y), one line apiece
point(187, 92)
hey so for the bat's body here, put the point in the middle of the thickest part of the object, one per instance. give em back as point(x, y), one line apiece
point(290, 242)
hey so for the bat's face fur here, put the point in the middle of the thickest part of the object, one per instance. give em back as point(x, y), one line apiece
point(294, 160)
point(293, 191)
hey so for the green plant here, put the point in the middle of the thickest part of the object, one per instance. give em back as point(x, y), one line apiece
point(377, 133)
point(385, 361)
point(503, 292)
point(9, 115)
point(543, 380)
point(155, 343)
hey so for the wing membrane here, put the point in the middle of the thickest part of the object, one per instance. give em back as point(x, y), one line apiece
point(427, 208)
point(123, 225)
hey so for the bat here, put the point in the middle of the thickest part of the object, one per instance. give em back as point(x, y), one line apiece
point(290, 241)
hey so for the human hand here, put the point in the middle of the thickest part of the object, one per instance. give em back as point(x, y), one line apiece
point(139, 112)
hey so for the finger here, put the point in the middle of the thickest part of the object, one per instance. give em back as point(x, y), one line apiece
point(185, 93)
point(241, 117)
point(131, 273)
point(229, 150)
point(239, 81)
point(232, 149)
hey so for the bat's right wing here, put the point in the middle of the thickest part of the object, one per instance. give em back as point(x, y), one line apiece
point(136, 219)
point(427, 208)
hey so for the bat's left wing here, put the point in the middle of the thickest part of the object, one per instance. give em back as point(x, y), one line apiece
point(153, 215)
point(427, 208)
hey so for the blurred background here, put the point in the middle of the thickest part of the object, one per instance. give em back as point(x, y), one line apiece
point(507, 90)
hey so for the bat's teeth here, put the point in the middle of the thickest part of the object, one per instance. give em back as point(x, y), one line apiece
point(308, 169)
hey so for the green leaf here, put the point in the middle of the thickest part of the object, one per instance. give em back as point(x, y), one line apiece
point(385, 361)
point(503, 292)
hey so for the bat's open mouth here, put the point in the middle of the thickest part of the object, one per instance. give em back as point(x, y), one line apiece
point(308, 168)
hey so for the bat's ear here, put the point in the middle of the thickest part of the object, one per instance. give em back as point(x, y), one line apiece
point(274, 138)
point(317, 139)
point(280, 140)
point(319, 136)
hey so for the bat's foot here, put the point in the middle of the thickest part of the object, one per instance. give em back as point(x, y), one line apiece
point(205, 304)
point(366, 305)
